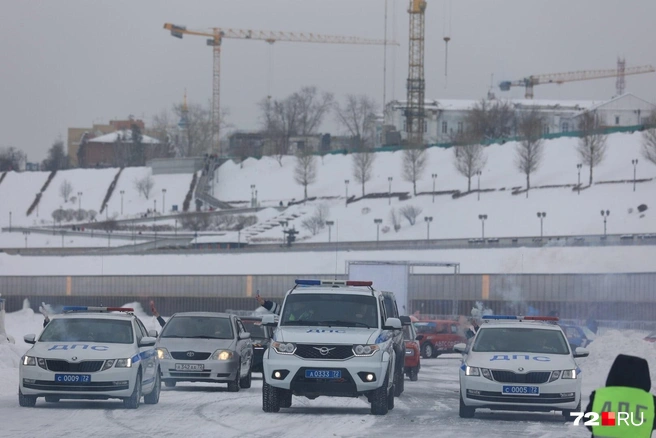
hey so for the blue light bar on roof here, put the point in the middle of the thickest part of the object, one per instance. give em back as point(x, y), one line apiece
point(333, 283)
point(74, 308)
point(521, 318)
point(499, 317)
point(96, 309)
point(308, 282)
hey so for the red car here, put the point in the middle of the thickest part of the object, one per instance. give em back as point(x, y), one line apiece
point(412, 350)
point(438, 337)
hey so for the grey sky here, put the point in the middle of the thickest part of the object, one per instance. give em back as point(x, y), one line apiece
point(70, 63)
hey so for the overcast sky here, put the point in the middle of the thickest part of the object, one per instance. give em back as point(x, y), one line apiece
point(70, 63)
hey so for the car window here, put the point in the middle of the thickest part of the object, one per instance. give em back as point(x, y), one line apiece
point(339, 310)
point(142, 328)
point(241, 327)
point(520, 340)
point(209, 327)
point(255, 328)
point(454, 329)
point(425, 327)
point(390, 309)
point(106, 331)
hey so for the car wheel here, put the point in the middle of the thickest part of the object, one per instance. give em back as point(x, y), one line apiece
point(414, 374)
point(427, 350)
point(51, 399)
point(285, 398)
point(169, 383)
point(390, 398)
point(399, 382)
point(270, 398)
point(234, 385)
point(153, 397)
point(466, 411)
point(246, 381)
point(26, 401)
point(379, 399)
point(567, 413)
point(133, 401)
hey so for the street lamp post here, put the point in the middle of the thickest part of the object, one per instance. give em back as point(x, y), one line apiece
point(346, 183)
point(176, 228)
point(478, 191)
point(283, 224)
point(428, 220)
point(10, 221)
point(163, 200)
point(252, 195)
point(26, 233)
point(122, 193)
point(389, 179)
point(79, 201)
point(483, 218)
point(62, 234)
point(378, 222)
point(329, 224)
point(37, 207)
point(109, 238)
point(579, 166)
point(434, 176)
point(635, 164)
point(541, 215)
point(605, 215)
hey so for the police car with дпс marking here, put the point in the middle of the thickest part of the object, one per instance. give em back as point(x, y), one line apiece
point(91, 353)
point(519, 363)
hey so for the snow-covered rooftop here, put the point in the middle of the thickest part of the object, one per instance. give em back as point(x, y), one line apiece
point(126, 135)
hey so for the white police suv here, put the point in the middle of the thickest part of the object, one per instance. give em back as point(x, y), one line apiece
point(519, 363)
point(91, 353)
point(333, 338)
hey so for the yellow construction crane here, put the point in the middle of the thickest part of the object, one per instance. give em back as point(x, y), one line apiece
point(584, 75)
point(416, 84)
point(216, 35)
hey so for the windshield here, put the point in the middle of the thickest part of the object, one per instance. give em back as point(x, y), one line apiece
point(408, 333)
point(425, 327)
point(521, 340)
point(255, 328)
point(339, 310)
point(210, 327)
point(107, 331)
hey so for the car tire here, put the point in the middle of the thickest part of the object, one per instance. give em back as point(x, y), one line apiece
point(270, 398)
point(133, 401)
point(399, 382)
point(414, 374)
point(246, 381)
point(234, 385)
point(466, 411)
point(152, 398)
point(285, 397)
point(169, 383)
point(566, 413)
point(427, 350)
point(52, 399)
point(379, 399)
point(390, 398)
point(26, 401)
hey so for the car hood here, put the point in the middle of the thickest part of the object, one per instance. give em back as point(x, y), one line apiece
point(195, 344)
point(514, 361)
point(327, 335)
point(81, 350)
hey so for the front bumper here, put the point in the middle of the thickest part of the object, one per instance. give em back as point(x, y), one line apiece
point(258, 354)
point(212, 370)
point(479, 392)
point(111, 383)
point(411, 360)
point(351, 384)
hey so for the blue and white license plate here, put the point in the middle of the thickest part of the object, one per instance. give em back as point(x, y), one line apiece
point(73, 378)
point(521, 390)
point(323, 374)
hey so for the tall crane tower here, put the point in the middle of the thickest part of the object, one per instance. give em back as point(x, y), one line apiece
point(416, 85)
point(583, 75)
point(216, 35)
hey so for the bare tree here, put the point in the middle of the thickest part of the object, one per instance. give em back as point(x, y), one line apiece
point(312, 108)
point(317, 221)
point(410, 212)
point(144, 185)
point(355, 116)
point(468, 160)
point(305, 172)
point(395, 219)
point(65, 189)
point(489, 120)
point(11, 159)
point(363, 163)
point(649, 140)
point(57, 158)
point(414, 164)
point(195, 221)
point(592, 143)
point(529, 150)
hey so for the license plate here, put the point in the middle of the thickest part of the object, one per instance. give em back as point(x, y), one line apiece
point(323, 374)
point(189, 367)
point(521, 390)
point(73, 378)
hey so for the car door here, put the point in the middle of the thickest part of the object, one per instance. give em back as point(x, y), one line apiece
point(146, 354)
point(245, 349)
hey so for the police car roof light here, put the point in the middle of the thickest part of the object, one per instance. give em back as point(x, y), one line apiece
point(96, 309)
point(300, 282)
point(520, 318)
point(541, 318)
point(499, 317)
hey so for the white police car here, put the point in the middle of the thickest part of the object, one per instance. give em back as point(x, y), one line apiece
point(519, 364)
point(90, 353)
point(333, 338)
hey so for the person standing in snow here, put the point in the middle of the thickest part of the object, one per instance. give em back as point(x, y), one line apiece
point(627, 390)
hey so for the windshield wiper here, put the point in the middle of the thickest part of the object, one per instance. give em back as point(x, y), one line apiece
point(344, 323)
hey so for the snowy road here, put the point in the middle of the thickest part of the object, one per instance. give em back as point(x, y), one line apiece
point(428, 407)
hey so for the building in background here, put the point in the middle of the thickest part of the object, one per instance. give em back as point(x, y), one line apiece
point(77, 135)
point(119, 149)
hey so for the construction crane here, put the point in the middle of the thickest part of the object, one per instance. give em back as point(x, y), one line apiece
point(583, 75)
point(216, 35)
point(416, 85)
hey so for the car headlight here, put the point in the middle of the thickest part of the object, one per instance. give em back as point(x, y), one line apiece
point(284, 348)
point(123, 363)
point(29, 361)
point(409, 352)
point(471, 371)
point(569, 374)
point(222, 355)
point(365, 350)
point(163, 353)
point(108, 364)
point(486, 373)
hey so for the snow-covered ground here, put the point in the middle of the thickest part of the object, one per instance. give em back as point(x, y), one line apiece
point(428, 407)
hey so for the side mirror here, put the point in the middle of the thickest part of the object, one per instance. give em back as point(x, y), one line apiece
point(147, 342)
point(405, 320)
point(244, 335)
point(30, 339)
point(153, 333)
point(392, 324)
point(460, 348)
point(270, 320)
point(581, 352)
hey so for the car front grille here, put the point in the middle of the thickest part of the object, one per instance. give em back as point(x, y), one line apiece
point(186, 355)
point(87, 366)
point(511, 377)
point(46, 385)
point(333, 352)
